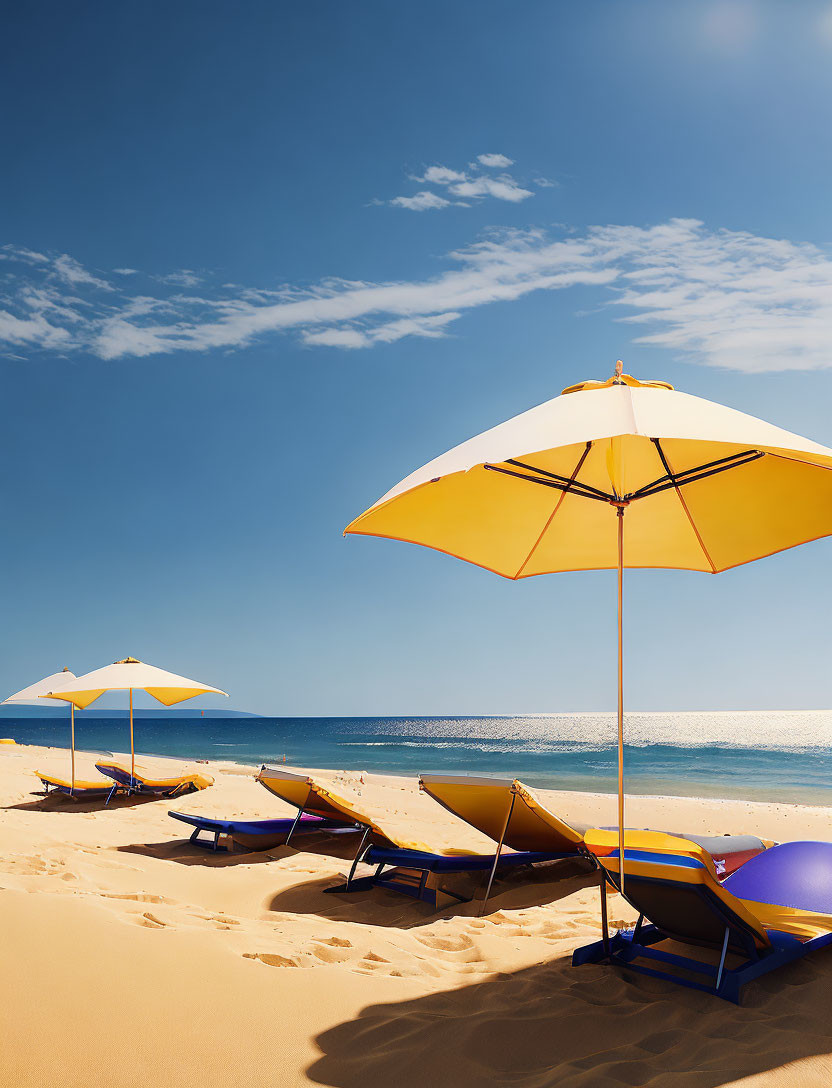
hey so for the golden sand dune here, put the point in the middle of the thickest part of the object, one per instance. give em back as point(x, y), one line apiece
point(131, 957)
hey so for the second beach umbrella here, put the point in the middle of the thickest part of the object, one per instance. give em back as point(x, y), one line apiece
point(131, 675)
point(615, 474)
point(35, 695)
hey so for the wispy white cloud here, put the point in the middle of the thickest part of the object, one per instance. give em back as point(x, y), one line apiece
point(420, 202)
point(20, 253)
point(71, 272)
point(440, 175)
point(338, 338)
point(183, 277)
point(467, 186)
point(498, 161)
point(721, 298)
point(503, 187)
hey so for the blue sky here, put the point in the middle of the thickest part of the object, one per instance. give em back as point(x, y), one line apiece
point(230, 318)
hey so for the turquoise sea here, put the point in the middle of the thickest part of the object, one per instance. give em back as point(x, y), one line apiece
point(767, 755)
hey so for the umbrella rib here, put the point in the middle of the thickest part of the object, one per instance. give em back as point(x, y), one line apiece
point(557, 507)
point(693, 475)
point(685, 507)
point(559, 483)
point(568, 482)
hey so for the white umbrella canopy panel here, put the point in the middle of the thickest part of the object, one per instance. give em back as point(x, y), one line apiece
point(36, 695)
point(131, 675)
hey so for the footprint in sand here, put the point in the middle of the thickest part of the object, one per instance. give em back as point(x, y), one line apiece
point(374, 958)
point(326, 952)
point(270, 959)
point(459, 943)
point(139, 897)
point(151, 921)
point(27, 866)
point(223, 921)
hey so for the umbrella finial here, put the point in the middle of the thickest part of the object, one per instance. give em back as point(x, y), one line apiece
point(129, 661)
point(619, 368)
point(65, 668)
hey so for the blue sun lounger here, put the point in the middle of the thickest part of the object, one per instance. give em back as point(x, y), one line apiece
point(776, 908)
point(250, 834)
point(138, 779)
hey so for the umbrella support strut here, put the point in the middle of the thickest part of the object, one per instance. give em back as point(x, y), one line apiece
point(621, 695)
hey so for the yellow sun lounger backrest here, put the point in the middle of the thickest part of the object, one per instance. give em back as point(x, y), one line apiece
point(651, 867)
point(198, 779)
point(485, 802)
point(313, 796)
point(295, 790)
point(81, 784)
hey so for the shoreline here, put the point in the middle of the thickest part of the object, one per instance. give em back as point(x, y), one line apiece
point(581, 804)
point(816, 800)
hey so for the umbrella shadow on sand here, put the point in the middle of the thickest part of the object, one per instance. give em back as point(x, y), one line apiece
point(553, 1024)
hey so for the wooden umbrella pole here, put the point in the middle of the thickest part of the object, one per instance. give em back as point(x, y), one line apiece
point(621, 695)
point(132, 749)
point(72, 745)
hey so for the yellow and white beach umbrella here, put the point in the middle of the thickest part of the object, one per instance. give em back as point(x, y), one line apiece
point(131, 675)
point(615, 474)
point(35, 695)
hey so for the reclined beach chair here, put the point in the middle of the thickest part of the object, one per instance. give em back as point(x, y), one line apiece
point(774, 909)
point(144, 781)
point(309, 797)
point(250, 834)
point(402, 865)
point(509, 812)
point(84, 789)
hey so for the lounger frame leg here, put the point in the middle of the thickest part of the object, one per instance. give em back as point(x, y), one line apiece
point(605, 927)
point(358, 856)
point(497, 855)
point(293, 828)
point(721, 958)
point(110, 794)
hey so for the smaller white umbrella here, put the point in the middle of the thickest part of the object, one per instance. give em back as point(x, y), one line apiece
point(131, 675)
point(36, 695)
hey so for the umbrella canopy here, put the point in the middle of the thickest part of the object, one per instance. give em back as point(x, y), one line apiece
point(131, 675)
point(35, 694)
point(704, 487)
point(614, 474)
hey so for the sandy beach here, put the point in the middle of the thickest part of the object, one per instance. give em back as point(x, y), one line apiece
point(132, 957)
